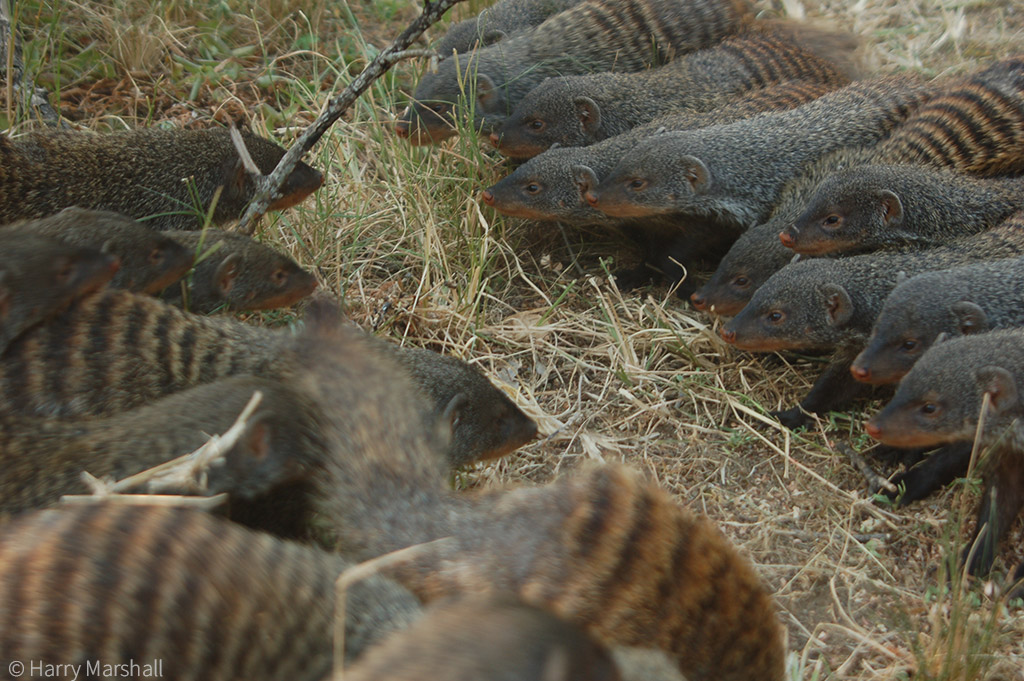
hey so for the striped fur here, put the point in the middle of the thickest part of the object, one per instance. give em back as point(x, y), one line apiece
point(975, 126)
point(209, 599)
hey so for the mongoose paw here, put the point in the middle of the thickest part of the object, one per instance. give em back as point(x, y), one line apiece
point(792, 418)
point(897, 456)
point(631, 278)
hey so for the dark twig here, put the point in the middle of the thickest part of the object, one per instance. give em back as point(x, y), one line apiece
point(875, 481)
point(269, 186)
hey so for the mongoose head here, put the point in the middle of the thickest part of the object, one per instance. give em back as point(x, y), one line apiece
point(235, 272)
point(486, 424)
point(150, 260)
point(910, 322)
point(476, 638)
point(457, 89)
point(756, 256)
point(239, 187)
point(940, 398)
point(39, 277)
point(849, 211)
point(554, 112)
point(652, 180)
point(547, 187)
point(801, 307)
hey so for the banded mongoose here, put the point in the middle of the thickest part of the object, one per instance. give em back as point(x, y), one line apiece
point(40, 277)
point(547, 187)
point(116, 350)
point(565, 547)
point(581, 110)
point(974, 125)
point(826, 304)
point(167, 178)
point(471, 639)
point(150, 261)
point(955, 302)
point(736, 173)
point(940, 400)
point(197, 596)
point(498, 22)
point(593, 36)
point(867, 208)
point(42, 459)
point(234, 272)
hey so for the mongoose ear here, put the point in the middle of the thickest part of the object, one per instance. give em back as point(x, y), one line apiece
point(585, 178)
point(588, 112)
point(838, 303)
point(227, 272)
point(941, 338)
point(696, 173)
point(450, 417)
point(485, 90)
point(324, 311)
point(901, 277)
point(892, 207)
point(492, 36)
point(970, 317)
point(1000, 386)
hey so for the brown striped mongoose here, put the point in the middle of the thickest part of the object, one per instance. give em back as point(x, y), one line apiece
point(201, 597)
point(581, 110)
point(150, 261)
point(40, 276)
point(736, 174)
point(939, 401)
point(594, 36)
point(872, 207)
point(167, 178)
point(234, 272)
point(497, 22)
point(117, 350)
point(955, 302)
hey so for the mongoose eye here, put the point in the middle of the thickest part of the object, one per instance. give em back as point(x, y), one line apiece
point(774, 317)
point(536, 125)
point(156, 256)
point(908, 345)
point(532, 188)
point(66, 269)
point(741, 281)
point(929, 408)
point(637, 184)
point(279, 277)
point(439, 109)
point(832, 221)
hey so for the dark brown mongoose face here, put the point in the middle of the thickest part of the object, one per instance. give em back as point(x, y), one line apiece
point(238, 273)
point(150, 261)
point(480, 638)
point(201, 597)
point(40, 277)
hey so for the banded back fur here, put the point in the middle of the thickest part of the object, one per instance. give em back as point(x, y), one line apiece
point(975, 125)
point(204, 599)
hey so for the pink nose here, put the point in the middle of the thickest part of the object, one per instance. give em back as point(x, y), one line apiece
point(860, 373)
point(872, 430)
point(488, 197)
point(495, 140)
point(698, 301)
point(787, 239)
point(727, 335)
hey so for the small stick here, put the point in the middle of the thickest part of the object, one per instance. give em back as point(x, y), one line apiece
point(170, 500)
point(185, 472)
point(269, 186)
point(875, 481)
point(358, 573)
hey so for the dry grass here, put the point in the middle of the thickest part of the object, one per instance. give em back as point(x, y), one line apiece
point(638, 377)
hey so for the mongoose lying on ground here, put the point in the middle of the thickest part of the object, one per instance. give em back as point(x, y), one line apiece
point(867, 208)
point(960, 301)
point(940, 400)
point(498, 22)
point(116, 350)
point(594, 36)
point(736, 173)
point(42, 459)
point(581, 110)
point(167, 177)
point(40, 276)
point(150, 261)
point(234, 272)
point(823, 304)
point(547, 187)
point(203, 598)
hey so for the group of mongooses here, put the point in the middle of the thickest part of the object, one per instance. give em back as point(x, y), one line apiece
point(869, 218)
